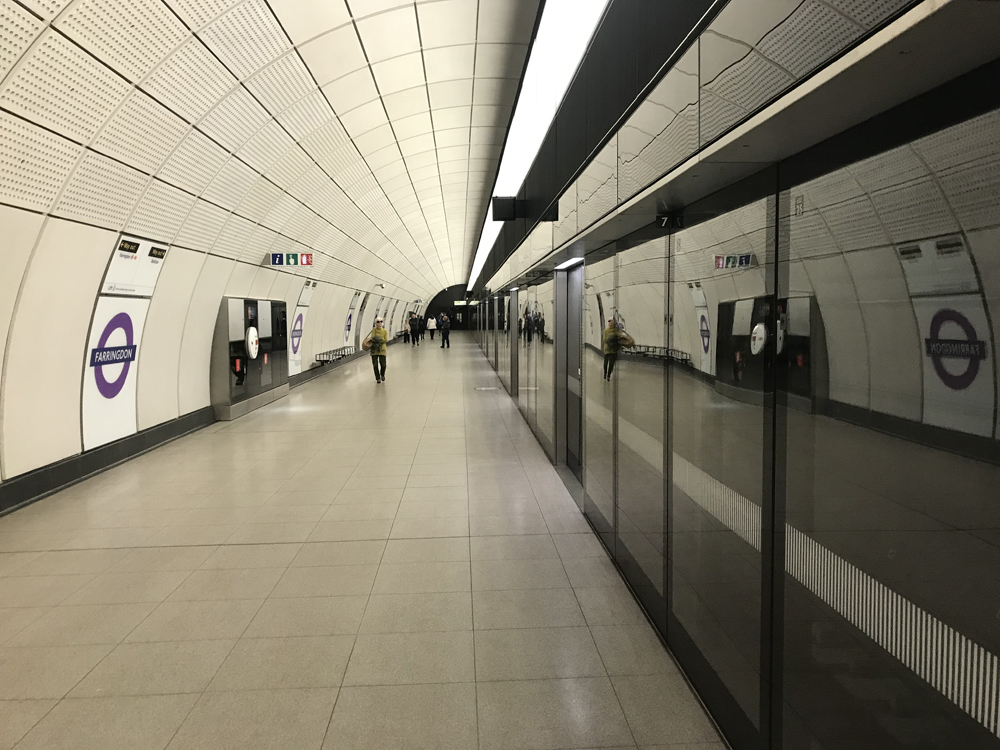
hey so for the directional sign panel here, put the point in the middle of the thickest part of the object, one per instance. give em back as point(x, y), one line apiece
point(135, 267)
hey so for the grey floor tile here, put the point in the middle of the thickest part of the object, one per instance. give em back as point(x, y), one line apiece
point(609, 606)
point(280, 618)
point(425, 528)
point(257, 720)
point(40, 591)
point(525, 608)
point(336, 580)
point(15, 619)
point(490, 575)
point(224, 619)
point(248, 556)
point(570, 713)
point(155, 669)
point(122, 588)
point(46, 671)
point(71, 562)
point(661, 709)
point(241, 583)
point(83, 625)
point(325, 554)
point(122, 723)
point(523, 547)
point(447, 549)
point(507, 525)
point(280, 663)
point(417, 577)
point(536, 653)
point(162, 558)
point(418, 717)
point(404, 613)
point(578, 545)
point(632, 650)
point(18, 717)
point(411, 658)
point(346, 531)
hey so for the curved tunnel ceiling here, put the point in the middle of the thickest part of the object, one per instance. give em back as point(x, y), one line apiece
point(368, 131)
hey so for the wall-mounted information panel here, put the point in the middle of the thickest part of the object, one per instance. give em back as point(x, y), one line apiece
point(134, 268)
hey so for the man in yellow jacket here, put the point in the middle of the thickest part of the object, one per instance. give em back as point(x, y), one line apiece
point(379, 339)
point(614, 340)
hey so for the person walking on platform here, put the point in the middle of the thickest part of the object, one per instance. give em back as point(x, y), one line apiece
point(413, 326)
point(377, 344)
point(615, 339)
point(445, 332)
point(423, 327)
point(432, 325)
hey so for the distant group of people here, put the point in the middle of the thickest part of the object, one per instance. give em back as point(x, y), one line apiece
point(532, 324)
point(415, 328)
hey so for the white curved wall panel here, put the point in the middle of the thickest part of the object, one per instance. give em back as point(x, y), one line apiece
point(46, 354)
point(199, 326)
point(314, 322)
point(895, 351)
point(846, 341)
point(160, 354)
point(19, 230)
point(241, 280)
point(263, 282)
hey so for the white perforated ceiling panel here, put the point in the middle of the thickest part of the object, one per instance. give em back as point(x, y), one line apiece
point(367, 132)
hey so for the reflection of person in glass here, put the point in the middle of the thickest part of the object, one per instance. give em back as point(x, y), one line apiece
point(614, 340)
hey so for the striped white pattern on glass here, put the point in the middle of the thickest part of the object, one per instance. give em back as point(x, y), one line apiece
point(963, 671)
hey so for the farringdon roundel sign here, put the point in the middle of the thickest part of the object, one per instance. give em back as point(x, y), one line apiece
point(111, 369)
point(107, 356)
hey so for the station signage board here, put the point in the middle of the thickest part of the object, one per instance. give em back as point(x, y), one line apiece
point(135, 266)
point(111, 370)
point(291, 259)
point(735, 262)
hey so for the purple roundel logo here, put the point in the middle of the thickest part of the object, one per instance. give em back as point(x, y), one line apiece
point(706, 333)
point(105, 355)
point(296, 333)
point(970, 349)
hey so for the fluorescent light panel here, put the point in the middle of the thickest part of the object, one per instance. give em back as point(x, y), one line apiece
point(568, 264)
point(563, 35)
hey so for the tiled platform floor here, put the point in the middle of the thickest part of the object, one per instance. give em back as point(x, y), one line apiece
point(352, 567)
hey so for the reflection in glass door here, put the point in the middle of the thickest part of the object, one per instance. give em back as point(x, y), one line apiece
point(720, 429)
point(600, 292)
point(635, 347)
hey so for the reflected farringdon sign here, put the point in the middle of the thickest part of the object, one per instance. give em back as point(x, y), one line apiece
point(957, 363)
point(111, 370)
point(968, 350)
